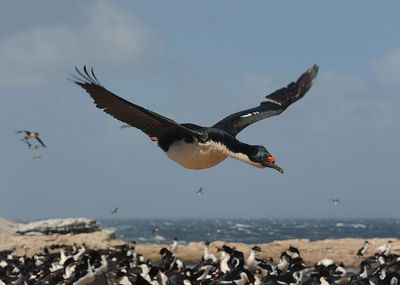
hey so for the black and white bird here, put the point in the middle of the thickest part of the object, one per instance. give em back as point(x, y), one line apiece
point(363, 249)
point(194, 146)
point(200, 191)
point(384, 249)
point(207, 256)
point(31, 135)
point(174, 245)
point(254, 263)
point(335, 201)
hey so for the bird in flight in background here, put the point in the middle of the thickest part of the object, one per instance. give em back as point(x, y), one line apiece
point(200, 191)
point(31, 135)
point(335, 201)
point(194, 146)
point(114, 211)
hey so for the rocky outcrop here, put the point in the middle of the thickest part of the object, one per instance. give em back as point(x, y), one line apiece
point(59, 226)
point(52, 226)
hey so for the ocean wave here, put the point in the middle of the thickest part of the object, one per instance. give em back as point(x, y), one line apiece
point(356, 226)
point(159, 238)
point(242, 226)
point(252, 231)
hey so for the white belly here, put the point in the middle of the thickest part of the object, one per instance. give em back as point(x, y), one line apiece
point(197, 155)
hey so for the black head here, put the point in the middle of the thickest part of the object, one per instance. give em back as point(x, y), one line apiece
point(294, 249)
point(261, 156)
point(256, 248)
point(163, 251)
point(227, 249)
point(154, 271)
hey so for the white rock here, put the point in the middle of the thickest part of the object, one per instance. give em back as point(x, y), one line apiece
point(61, 226)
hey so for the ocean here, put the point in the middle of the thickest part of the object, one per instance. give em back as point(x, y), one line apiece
point(252, 231)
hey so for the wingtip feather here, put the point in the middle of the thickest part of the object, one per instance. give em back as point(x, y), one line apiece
point(84, 77)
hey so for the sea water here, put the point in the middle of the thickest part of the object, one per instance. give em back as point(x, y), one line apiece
point(252, 231)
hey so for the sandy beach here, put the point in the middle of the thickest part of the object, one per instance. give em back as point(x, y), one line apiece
point(340, 250)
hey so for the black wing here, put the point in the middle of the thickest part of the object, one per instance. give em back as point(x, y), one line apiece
point(276, 103)
point(147, 121)
point(40, 141)
point(25, 141)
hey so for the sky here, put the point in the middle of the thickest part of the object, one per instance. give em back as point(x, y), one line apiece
point(199, 61)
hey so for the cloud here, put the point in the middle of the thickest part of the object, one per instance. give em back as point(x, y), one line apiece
point(109, 36)
point(387, 67)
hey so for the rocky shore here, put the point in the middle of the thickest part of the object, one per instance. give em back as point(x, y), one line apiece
point(33, 241)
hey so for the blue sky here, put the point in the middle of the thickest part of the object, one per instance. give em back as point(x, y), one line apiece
point(198, 62)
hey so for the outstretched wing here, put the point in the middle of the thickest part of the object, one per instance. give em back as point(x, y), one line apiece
point(25, 141)
point(276, 103)
point(149, 122)
point(40, 141)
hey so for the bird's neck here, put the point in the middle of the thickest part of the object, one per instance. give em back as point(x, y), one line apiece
point(252, 255)
point(243, 152)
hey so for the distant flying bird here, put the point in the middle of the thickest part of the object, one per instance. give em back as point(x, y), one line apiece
point(193, 146)
point(37, 157)
point(114, 211)
point(200, 191)
point(335, 201)
point(30, 146)
point(31, 135)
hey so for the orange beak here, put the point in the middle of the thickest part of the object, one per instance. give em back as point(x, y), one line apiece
point(271, 161)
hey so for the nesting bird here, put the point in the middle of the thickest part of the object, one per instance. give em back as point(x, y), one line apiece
point(123, 265)
point(363, 249)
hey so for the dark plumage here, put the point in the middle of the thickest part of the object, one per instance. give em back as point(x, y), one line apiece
point(194, 146)
point(200, 191)
point(276, 103)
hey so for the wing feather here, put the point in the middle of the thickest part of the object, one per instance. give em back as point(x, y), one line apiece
point(276, 103)
point(147, 121)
